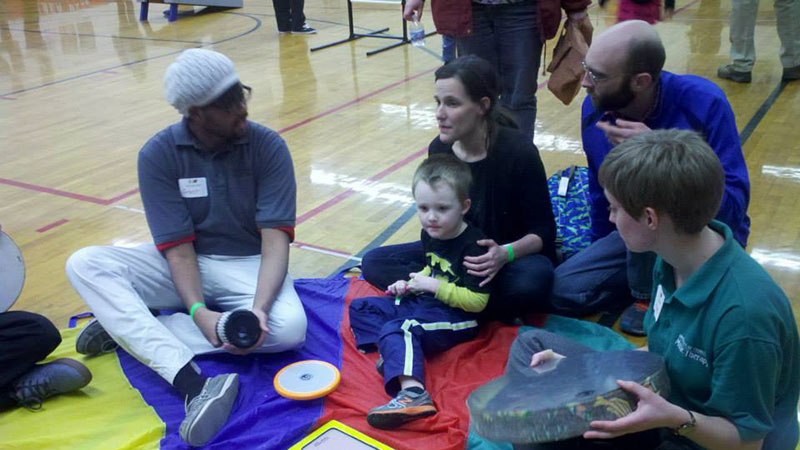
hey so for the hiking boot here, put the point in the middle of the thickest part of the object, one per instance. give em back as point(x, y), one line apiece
point(791, 73)
point(207, 413)
point(729, 73)
point(407, 406)
point(46, 380)
point(94, 340)
point(632, 319)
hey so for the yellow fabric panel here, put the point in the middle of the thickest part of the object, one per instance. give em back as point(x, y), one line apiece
point(107, 414)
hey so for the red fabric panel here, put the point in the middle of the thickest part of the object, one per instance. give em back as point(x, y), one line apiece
point(168, 245)
point(449, 378)
point(289, 231)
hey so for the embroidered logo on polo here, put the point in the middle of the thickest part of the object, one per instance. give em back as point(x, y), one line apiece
point(689, 352)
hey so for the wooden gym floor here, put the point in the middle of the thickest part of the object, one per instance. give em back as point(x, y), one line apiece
point(81, 91)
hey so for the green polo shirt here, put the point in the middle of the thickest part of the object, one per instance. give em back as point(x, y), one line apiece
point(730, 343)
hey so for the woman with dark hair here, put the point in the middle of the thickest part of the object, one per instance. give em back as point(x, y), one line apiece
point(510, 200)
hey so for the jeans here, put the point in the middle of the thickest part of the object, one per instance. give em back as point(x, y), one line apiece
point(507, 36)
point(520, 287)
point(603, 277)
point(743, 26)
point(289, 14)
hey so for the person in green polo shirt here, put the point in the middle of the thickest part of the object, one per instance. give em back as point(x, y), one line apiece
point(723, 326)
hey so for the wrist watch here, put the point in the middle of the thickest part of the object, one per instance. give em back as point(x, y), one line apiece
point(686, 427)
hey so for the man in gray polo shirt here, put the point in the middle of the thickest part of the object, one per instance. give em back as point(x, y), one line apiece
point(219, 194)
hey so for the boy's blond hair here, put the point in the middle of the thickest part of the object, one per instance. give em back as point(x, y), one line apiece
point(672, 171)
point(443, 168)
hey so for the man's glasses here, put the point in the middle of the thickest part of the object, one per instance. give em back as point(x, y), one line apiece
point(597, 77)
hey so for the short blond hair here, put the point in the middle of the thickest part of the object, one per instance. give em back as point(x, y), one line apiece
point(444, 168)
point(672, 171)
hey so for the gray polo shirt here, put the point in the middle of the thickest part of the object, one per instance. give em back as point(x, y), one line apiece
point(219, 200)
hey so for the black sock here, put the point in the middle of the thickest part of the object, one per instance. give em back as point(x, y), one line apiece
point(416, 390)
point(189, 381)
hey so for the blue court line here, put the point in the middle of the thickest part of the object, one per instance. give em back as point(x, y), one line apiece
point(761, 113)
point(110, 36)
point(130, 63)
point(383, 237)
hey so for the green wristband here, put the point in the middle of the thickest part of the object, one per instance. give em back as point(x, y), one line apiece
point(510, 253)
point(194, 307)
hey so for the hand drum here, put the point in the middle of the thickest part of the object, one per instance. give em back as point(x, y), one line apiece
point(12, 272)
point(558, 403)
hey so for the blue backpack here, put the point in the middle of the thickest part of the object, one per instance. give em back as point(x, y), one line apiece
point(569, 195)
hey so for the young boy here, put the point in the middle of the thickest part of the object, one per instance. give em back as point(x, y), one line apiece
point(437, 307)
point(724, 328)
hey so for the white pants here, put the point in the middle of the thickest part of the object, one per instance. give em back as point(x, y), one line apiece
point(743, 25)
point(121, 284)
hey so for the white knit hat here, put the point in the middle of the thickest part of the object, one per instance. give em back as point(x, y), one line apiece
point(197, 78)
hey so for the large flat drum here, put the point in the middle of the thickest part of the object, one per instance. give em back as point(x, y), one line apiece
point(12, 272)
point(559, 403)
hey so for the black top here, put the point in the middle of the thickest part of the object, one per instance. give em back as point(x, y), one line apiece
point(445, 258)
point(509, 191)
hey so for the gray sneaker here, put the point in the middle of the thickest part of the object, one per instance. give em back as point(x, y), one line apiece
point(207, 413)
point(94, 340)
point(46, 380)
point(729, 73)
point(404, 408)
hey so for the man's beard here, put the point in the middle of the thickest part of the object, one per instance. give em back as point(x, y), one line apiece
point(615, 100)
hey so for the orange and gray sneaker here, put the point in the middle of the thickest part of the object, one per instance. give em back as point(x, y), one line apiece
point(410, 404)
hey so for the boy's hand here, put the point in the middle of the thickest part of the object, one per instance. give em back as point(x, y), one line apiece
point(398, 288)
point(421, 283)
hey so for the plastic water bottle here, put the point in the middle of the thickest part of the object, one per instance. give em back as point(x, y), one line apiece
point(417, 32)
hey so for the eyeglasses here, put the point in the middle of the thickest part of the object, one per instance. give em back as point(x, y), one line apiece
point(597, 77)
point(248, 92)
point(233, 99)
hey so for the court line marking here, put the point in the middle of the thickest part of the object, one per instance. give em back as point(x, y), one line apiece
point(52, 225)
point(106, 36)
point(138, 61)
point(754, 121)
point(381, 238)
point(369, 181)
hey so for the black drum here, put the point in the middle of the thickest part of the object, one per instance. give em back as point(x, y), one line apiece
point(239, 328)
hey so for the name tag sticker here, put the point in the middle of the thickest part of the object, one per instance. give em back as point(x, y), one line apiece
point(193, 187)
point(658, 303)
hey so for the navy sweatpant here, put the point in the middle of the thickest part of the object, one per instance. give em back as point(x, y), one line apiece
point(406, 333)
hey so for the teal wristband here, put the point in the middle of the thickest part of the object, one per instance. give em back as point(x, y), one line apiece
point(510, 253)
point(194, 307)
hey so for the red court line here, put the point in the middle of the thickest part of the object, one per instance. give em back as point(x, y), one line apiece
point(353, 102)
point(52, 225)
point(58, 192)
point(343, 195)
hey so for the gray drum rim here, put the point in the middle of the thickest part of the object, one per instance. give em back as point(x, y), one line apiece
point(12, 272)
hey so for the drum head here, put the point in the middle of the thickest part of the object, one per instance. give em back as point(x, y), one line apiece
point(307, 380)
point(12, 272)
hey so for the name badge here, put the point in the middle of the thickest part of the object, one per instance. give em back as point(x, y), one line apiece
point(658, 303)
point(193, 187)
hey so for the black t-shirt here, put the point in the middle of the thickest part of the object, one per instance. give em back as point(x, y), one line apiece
point(445, 258)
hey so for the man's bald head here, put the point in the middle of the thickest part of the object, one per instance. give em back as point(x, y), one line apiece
point(634, 44)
